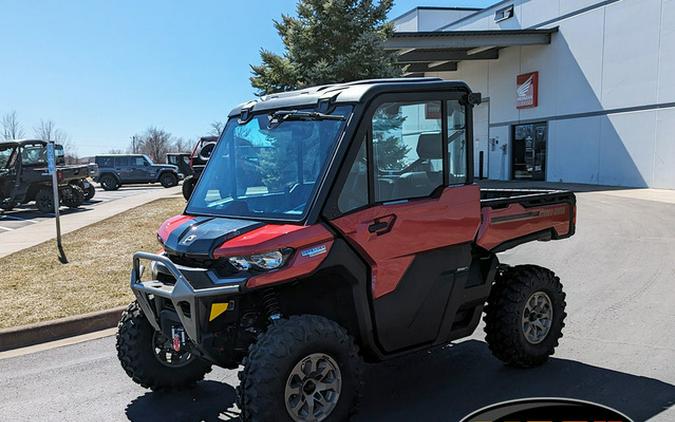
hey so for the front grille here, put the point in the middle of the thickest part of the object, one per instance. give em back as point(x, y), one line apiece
point(220, 266)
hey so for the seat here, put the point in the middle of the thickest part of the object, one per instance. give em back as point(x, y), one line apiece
point(421, 178)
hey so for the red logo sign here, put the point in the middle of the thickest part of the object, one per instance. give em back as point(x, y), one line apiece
point(527, 90)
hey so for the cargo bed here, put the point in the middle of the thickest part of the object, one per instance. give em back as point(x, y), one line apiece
point(511, 217)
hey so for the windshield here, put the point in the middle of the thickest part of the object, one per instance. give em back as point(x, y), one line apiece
point(6, 153)
point(263, 170)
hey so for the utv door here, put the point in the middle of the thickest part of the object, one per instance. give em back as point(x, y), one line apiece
point(411, 211)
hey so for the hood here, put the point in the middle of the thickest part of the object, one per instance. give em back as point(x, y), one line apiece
point(199, 236)
point(166, 166)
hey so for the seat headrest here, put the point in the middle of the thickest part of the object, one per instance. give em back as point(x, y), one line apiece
point(429, 146)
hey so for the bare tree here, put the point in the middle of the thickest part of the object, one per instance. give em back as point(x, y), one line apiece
point(216, 128)
point(182, 145)
point(155, 143)
point(47, 131)
point(11, 127)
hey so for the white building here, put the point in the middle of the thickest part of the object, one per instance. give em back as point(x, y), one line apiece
point(574, 90)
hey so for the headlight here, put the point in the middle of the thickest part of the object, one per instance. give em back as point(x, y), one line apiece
point(262, 261)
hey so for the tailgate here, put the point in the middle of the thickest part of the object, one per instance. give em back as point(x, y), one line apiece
point(512, 217)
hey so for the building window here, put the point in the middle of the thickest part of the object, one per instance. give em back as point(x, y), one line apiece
point(504, 13)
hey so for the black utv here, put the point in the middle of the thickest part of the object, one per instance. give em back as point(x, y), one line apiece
point(24, 178)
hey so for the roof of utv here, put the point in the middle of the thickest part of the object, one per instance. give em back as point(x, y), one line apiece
point(22, 141)
point(348, 92)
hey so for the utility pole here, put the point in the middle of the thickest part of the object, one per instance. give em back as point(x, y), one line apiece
point(133, 144)
point(51, 167)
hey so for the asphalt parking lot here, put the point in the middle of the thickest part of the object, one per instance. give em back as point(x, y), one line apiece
point(26, 215)
point(618, 348)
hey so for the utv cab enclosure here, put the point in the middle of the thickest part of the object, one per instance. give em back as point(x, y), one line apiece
point(335, 224)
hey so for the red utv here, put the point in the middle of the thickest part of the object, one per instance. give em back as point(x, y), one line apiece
point(361, 236)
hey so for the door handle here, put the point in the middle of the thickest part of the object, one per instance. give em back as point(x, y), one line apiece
point(376, 227)
point(382, 225)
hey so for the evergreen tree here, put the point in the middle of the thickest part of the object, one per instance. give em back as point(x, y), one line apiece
point(329, 41)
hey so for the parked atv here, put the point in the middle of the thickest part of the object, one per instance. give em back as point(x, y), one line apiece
point(198, 159)
point(362, 236)
point(24, 178)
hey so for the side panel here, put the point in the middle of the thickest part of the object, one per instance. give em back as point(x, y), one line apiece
point(515, 221)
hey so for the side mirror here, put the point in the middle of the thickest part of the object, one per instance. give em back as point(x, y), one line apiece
point(475, 98)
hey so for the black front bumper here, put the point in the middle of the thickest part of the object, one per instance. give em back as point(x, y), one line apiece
point(182, 294)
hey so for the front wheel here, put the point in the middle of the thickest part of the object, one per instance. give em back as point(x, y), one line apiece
point(148, 358)
point(168, 180)
point(44, 200)
point(525, 315)
point(188, 186)
point(305, 368)
point(109, 182)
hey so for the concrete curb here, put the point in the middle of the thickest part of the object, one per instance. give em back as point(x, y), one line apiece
point(42, 332)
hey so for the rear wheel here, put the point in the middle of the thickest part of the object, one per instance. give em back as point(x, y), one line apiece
point(109, 182)
point(89, 191)
point(525, 315)
point(44, 200)
point(7, 205)
point(72, 196)
point(168, 180)
point(303, 368)
point(188, 187)
point(148, 358)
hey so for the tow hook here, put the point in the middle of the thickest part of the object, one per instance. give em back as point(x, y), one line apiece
point(177, 338)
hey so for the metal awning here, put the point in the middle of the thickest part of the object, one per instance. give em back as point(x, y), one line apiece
point(440, 51)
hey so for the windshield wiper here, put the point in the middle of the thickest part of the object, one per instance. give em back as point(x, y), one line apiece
point(294, 115)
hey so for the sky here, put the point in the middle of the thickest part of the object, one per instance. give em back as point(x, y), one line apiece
point(104, 71)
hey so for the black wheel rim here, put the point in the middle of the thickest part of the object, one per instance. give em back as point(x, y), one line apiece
point(166, 355)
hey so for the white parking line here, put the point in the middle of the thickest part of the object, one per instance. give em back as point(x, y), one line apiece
point(12, 217)
point(6, 228)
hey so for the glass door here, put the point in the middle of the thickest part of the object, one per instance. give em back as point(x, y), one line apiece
point(528, 152)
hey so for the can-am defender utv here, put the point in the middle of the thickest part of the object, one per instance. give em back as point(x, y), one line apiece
point(338, 223)
point(24, 178)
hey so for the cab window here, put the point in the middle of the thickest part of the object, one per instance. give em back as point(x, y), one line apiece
point(457, 160)
point(407, 150)
point(354, 192)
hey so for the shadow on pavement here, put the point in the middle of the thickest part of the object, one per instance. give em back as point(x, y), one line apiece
point(449, 383)
point(443, 385)
point(207, 401)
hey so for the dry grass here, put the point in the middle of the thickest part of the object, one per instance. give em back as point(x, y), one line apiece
point(34, 286)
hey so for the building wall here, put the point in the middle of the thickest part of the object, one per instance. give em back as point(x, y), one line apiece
point(606, 88)
point(429, 18)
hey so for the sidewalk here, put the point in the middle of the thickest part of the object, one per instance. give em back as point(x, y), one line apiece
point(35, 234)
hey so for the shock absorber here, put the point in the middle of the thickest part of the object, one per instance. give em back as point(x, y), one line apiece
point(270, 300)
